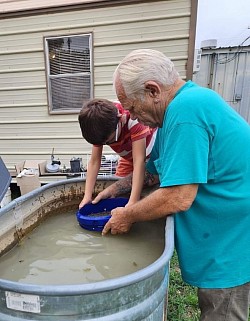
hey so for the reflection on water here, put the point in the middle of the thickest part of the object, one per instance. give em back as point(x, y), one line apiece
point(59, 251)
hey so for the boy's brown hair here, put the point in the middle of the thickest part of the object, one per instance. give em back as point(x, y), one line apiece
point(98, 119)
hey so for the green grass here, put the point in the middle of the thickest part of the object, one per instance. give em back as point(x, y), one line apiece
point(182, 298)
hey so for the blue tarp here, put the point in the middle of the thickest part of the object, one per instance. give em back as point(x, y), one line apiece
point(5, 179)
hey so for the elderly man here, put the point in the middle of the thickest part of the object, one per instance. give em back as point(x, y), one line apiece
point(202, 159)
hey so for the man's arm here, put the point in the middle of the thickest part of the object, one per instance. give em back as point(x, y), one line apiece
point(150, 179)
point(162, 202)
point(124, 185)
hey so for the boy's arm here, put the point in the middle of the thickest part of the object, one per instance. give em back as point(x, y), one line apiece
point(139, 156)
point(92, 172)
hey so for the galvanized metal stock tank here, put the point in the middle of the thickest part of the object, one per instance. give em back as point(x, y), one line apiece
point(138, 296)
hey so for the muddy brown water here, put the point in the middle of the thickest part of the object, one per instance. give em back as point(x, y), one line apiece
point(59, 251)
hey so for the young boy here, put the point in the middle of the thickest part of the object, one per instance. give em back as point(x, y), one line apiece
point(103, 122)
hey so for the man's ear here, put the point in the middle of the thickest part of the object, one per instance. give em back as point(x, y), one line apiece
point(152, 88)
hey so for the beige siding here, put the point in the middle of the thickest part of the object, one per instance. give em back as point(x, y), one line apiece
point(27, 131)
point(19, 5)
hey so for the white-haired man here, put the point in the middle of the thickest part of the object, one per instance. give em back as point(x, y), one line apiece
point(201, 157)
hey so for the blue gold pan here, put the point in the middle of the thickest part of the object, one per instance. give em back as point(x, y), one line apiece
point(93, 217)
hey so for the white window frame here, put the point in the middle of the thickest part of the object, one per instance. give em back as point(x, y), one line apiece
point(50, 77)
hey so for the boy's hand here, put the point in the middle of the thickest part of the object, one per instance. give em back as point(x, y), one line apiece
point(84, 202)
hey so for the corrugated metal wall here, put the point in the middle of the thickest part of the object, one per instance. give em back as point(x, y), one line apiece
point(27, 131)
point(226, 70)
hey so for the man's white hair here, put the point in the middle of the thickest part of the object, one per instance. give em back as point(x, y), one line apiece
point(143, 65)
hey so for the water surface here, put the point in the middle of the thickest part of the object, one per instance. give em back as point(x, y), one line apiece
point(59, 251)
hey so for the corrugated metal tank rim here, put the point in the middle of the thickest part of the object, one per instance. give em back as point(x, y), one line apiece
point(141, 295)
point(90, 288)
point(101, 286)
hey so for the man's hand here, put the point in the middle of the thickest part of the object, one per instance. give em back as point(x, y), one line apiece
point(102, 195)
point(120, 187)
point(119, 222)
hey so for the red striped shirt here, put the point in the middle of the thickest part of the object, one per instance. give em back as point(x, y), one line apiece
point(131, 131)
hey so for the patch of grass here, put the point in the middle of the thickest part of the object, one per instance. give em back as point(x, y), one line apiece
point(182, 298)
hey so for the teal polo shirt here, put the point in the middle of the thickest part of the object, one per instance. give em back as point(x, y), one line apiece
point(204, 141)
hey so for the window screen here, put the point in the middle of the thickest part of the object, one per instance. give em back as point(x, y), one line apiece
point(69, 72)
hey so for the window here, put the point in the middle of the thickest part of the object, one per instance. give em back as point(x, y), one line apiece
point(69, 72)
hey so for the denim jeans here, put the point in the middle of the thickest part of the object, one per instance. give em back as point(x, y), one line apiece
point(230, 304)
